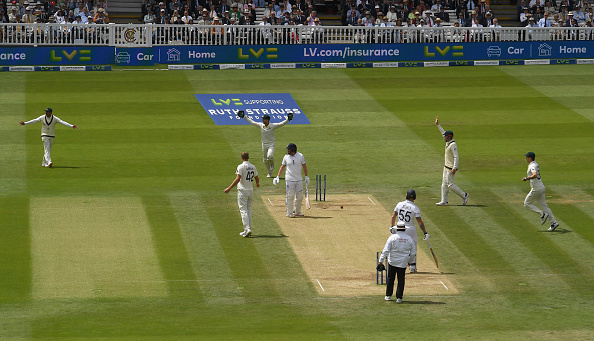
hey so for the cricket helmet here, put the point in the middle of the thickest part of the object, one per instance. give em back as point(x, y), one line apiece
point(292, 147)
point(411, 194)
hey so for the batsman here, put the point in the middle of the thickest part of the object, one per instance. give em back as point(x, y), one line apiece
point(267, 129)
point(406, 211)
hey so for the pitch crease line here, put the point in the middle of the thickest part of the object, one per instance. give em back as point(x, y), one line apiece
point(371, 200)
point(443, 284)
point(270, 201)
point(320, 284)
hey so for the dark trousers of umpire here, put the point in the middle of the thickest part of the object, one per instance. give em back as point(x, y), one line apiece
point(392, 273)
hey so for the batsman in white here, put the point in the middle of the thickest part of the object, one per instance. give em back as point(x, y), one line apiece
point(293, 162)
point(399, 249)
point(246, 173)
point(537, 193)
point(406, 211)
point(450, 168)
point(48, 133)
point(268, 143)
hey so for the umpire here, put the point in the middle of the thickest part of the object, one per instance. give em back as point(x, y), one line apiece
point(399, 248)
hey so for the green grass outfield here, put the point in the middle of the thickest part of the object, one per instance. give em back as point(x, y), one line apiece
point(131, 235)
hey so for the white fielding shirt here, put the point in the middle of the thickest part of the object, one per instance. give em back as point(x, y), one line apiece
point(48, 126)
point(267, 132)
point(248, 172)
point(294, 164)
point(536, 182)
point(399, 248)
point(407, 212)
point(451, 152)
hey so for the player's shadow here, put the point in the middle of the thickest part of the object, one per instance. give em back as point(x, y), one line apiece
point(557, 231)
point(473, 205)
point(310, 217)
point(422, 302)
point(69, 167)
point(270, 236)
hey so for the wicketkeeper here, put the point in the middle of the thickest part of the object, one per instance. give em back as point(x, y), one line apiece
point(399, 248)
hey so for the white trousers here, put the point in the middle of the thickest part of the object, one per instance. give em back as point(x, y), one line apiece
point(294, 195)
point(412, 232)
point(245, 199)
point(47, 147)
point(447, 184)
point(268, 153)
point(538, 195)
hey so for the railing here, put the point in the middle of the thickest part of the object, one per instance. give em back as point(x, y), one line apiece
point(150, 35)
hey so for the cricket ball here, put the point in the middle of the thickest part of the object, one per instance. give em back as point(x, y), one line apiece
point(341, 207)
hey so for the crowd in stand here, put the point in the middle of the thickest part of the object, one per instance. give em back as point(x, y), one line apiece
point(562, 13)
point(82, 12)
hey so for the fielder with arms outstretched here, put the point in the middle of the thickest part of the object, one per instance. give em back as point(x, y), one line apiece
point(406, 211)
point(48, 133)
point(268, 142)
point(450, 168)
point(293, 162)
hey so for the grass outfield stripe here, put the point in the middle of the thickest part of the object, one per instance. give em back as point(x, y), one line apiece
point(170, 247)
point(13, 152)
point(247, 265)
point(579, 249)
point(15, 250)
point(204, 250)
point(581, 222)
point(481, 254)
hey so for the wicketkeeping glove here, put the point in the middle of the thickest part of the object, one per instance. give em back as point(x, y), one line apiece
point(380, 267)
point(290, 116)
point(276, 180)
point(306, 180)
point(241, 113)
point(426, 236)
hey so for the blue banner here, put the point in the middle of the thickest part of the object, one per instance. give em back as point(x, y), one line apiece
point(134, 56)
point(223, 108)
point(57, 55)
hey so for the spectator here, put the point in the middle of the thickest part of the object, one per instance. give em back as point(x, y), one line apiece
point(436, 8)
point(225, 19)
point(311, 19)
point(579, 15)
point(524, 17)
point(149, 18)
point(550, 8)
point(163, 18)
point(14, 15)
point(488, 21)
point(144, 9)
point(537, 15)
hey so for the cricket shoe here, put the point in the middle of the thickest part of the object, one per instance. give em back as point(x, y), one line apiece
point(388, 298)
point(291, 215)
point(543, 219)
point(466, 196)
point(299, 215)
point(246, 233)
point(399, 300)
point(268, 175)
point(50, 164)
point(553, 227)
point(441, 203)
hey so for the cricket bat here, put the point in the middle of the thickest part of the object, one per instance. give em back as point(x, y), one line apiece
point(307, 204)
point(433, 253)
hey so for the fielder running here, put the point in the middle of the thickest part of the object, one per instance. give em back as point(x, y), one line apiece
point(48, 133)
point(293, 162)
point(399, 249)
point(450, 168)
point(406, 211)
point(268, 144)
point(537, 193)
point(246, 174)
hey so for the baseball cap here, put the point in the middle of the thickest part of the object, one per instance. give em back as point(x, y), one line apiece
point(265, 117)
point(448, 132)
point(531, 155)
point(48, 109)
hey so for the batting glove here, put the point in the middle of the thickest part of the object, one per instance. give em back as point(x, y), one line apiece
point(306, 180)
point(241, 113)
point(426, 236)
point(380, 267)
point(276, 181)
point(290, 116)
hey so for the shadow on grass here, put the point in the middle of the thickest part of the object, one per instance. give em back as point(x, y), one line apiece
point(422, 302)
point(557, 231)
point(269, 236)
point(310, 217)
point(70, 167)
point(472, 205)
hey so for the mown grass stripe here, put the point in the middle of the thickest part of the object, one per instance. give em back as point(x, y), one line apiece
point(15, 249)
point(204, 250)
point(170, 247)
point(580, 221)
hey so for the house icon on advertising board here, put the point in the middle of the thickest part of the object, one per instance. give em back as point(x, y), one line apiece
point(544, 50)
point(173, 55)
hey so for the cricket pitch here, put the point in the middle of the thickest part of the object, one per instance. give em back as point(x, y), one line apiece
point(337, 246)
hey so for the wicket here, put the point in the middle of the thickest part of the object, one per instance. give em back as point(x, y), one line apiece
point(319, 187)
point(380, 274)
